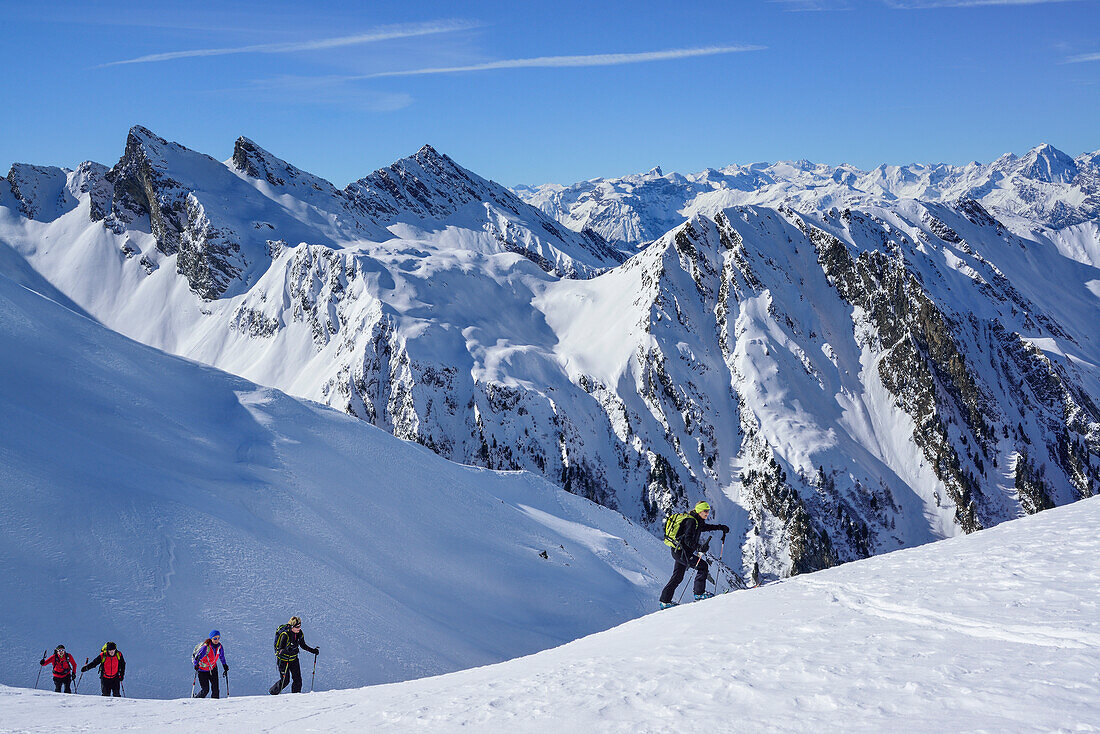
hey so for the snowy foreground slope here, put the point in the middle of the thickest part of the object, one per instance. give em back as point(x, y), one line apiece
point(997, 631)
point(146, 499)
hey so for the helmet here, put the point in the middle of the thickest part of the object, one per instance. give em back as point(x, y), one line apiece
point(110, 646)
point(702, 506)
point(59, 648)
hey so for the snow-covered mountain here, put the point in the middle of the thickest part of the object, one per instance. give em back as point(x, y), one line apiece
point(1045, 187)
point(148, 499)
point(838, 382)
point(992, 632)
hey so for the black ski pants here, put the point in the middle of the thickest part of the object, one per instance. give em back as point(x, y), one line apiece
point(287, 669)
point(58, 682)
point(111, 687)
point(683, 561)
point(208, 683)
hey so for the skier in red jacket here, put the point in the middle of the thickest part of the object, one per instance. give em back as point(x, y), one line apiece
point(64, 669)
point(112, 669)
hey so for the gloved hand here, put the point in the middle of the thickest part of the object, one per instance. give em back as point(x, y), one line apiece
point(316, 651)
point(724, 528)
point(42, 661)
point(121, 678)
point(196, 666)
point(225, 667)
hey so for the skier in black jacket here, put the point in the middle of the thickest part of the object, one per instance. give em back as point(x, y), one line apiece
point(687, 553)
point(288, 639)
point(112, 669)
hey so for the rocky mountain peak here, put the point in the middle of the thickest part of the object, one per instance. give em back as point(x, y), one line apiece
point(252, 160)
point(1089, 160)
point(427, 185)
point(255, 162)
point(142, 133)
point(40, 190)
point(1047, 163)
point(428, 153)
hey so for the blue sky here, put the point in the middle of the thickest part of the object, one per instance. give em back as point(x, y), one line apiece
point(615, 88)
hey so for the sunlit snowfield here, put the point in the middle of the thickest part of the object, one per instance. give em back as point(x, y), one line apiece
point(996, 631)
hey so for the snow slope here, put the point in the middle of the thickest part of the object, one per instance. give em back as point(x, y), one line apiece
point(997, 631)
point(147, 498)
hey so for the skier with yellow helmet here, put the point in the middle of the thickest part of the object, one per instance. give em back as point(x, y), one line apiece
point(682, 534)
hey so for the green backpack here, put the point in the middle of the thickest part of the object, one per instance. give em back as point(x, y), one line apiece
point(672, 528)
point(279, 633)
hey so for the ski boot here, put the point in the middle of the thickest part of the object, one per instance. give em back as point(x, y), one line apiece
point(704, 595)
point(667, 604)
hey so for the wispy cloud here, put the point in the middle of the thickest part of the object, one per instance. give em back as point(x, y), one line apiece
point(384, 33)
point(1082, 58)
point(547, 62)
point(933, 4)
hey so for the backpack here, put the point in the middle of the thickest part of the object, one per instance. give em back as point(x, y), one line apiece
point(672, 528)
point(279, 633)
point(195, 652)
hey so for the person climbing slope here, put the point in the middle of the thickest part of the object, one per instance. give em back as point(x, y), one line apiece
point(682, 533)
point(288, 639)
point(64, 669)
point(205, 657)
point(112, 669)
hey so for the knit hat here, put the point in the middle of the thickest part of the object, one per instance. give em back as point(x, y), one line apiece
point(702, 506)
point(110, 646)
point(215, 633)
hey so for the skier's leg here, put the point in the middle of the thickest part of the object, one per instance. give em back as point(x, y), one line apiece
point(677, 576)
point(701, 577)
point(57, 684)
point(214, 691)
point(284, 676)
point(296, 669)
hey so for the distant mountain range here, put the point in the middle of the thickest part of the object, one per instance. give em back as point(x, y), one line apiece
point(1045, 186)
point(842, 362)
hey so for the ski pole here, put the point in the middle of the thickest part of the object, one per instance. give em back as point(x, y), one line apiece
point(195, 678)
point(225, 674)
point(312, 677)
point(721, 552)
point(40, 670)
point(81, 676)
point(123, 687)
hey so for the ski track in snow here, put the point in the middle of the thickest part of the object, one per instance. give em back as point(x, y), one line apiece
point(915, 615)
